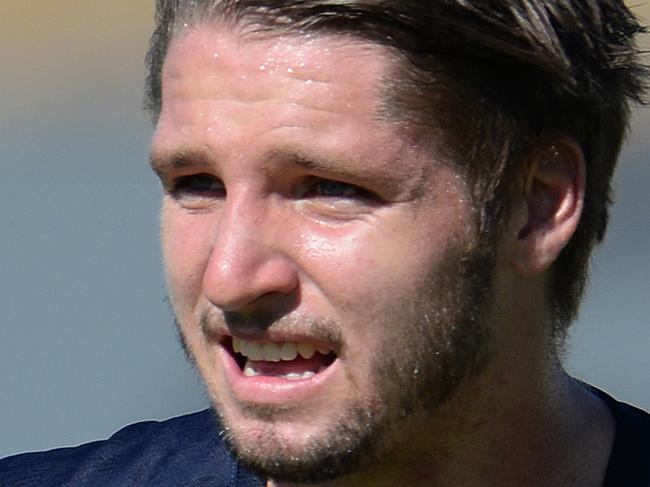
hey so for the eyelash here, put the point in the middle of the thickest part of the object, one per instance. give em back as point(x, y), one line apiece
point(319, 188)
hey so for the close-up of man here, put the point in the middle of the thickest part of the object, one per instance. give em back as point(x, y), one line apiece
point(376, 224)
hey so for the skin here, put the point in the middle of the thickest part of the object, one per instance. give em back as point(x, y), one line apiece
point(292, 212)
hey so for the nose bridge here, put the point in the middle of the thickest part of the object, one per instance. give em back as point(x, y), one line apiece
point(242, 220)
point(246, 261)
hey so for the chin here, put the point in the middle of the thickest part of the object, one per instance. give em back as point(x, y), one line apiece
point(287, 451)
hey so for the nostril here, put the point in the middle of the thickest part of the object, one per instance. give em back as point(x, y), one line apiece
point(260, 315)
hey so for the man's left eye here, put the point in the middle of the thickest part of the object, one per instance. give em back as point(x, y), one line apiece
point(336, 189)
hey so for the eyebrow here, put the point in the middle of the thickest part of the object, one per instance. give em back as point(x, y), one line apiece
point(340, 168)
point(306, 161)
point(164, 161)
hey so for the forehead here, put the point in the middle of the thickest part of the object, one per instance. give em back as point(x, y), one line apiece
point(295, 65)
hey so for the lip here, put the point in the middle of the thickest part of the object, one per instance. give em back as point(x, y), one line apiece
point(272, 390)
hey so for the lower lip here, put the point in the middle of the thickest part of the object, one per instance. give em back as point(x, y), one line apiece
point(269, 390)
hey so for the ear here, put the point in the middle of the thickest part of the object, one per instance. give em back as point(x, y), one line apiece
point(549, 210)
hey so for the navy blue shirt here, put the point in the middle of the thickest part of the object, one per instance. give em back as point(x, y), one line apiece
point(183, 451)
point(187, 451)
point(629, 462)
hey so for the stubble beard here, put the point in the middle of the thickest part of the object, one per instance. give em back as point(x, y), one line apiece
point(447, 336)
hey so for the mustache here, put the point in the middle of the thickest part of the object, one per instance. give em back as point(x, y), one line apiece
point(256, 324)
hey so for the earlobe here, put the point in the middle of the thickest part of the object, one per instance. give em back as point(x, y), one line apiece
point(552, 202)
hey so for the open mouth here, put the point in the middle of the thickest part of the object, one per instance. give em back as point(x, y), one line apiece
point(284, 360)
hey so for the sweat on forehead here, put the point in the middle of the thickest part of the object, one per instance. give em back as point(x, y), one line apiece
point(296, 54)
point(298, 64)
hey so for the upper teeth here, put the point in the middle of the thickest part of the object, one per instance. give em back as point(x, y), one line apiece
point(276, 351)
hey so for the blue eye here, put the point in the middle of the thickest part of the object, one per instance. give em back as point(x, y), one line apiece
point(335, 189)
point(198, 185)
point(329, 188)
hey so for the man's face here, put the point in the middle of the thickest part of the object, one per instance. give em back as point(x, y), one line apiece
point(321, 266)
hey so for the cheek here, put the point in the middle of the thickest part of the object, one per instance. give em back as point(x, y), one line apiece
point(186, 246)
point(369, 265)
point(338, 264)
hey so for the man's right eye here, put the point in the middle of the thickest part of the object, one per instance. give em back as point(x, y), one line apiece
point(198, 186)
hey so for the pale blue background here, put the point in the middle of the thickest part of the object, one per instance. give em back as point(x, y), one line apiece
point(87, 344)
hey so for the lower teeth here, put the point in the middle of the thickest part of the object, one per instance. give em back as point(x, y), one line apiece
point(297, 376)
point(249, 371)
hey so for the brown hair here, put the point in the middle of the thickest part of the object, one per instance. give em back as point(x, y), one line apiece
point(512, 72)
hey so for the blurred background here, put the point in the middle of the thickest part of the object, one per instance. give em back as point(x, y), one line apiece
point(87, 344)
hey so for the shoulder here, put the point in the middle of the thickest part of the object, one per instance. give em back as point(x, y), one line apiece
point(629, 463)
point(186, 450)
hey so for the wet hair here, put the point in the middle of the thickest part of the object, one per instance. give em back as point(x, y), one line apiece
point(512, 72)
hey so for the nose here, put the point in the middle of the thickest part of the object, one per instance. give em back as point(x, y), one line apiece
point(247, 263)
